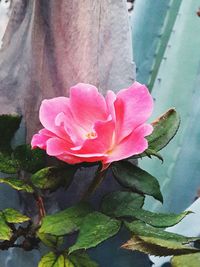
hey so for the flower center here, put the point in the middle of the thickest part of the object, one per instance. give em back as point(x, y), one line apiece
point(91, 135)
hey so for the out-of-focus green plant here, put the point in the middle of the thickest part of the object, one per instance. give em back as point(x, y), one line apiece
point(152, 22)
point(176, 83)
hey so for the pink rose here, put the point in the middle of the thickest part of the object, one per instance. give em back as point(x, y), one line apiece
point(86, 127)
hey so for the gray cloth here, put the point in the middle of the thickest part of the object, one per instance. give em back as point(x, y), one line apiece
point(52, 45)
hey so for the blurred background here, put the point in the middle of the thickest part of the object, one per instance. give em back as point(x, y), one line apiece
point(166, 48)
point(166, 51)
point(4, 15)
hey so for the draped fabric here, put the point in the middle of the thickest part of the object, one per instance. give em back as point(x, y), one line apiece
point(51, 45)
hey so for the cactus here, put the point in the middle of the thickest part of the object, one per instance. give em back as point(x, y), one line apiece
point(149, 43)
point(177, 85)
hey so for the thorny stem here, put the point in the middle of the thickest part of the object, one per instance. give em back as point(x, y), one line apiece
point(40, 204)
point(99, 177)
point(38, 197)
point(41, 207)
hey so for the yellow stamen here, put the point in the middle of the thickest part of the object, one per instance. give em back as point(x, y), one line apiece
point(91, 135)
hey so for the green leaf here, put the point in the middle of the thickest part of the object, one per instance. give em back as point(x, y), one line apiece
point(133, 177)
point(14, 216)
point(157, 246)
point(120, 204)
point(190, 260)
point(7, 164)
point(155, 219)
point(165, 128)
point(95, 228)
point(139, 228)
point(116, 203)
point(53, 177)
point(68, 263)
point(82, 260)
point(151, 152)
point(52, 260)
point(5, 231)
point(64, 260)
point(50, 240)
point(66, 221)
point(17, 184)
point(8, 126)
point(30, 160)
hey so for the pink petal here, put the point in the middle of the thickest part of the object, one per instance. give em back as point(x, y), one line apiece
point(105, 134)
point(92, 158)
point(49, 110)
point(133, 107)
point(74, 131)
point(99, 145)
point(110, 99)
point(40, 139)
point(59, 148)
point(87, 105)
point(56, 146)
point(46, 132)
point(75, 159)
point(69, 159)
point(134, 144)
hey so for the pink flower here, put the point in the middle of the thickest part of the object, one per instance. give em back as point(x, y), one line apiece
point(86, 127)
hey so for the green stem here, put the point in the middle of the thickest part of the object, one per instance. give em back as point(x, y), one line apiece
point(99, 177)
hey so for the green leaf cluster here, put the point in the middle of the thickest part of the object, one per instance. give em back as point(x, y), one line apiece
point(9, 124)
point(189, 260)
point(66, 221)
point(164, 129)
point(93, 227)
point(64, 260)
point(49, 178)
point(7, 217)
point(136, 179)
point(158, 242)
point(129, 204)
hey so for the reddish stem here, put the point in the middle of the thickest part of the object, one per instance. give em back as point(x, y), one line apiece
point(41, 207)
